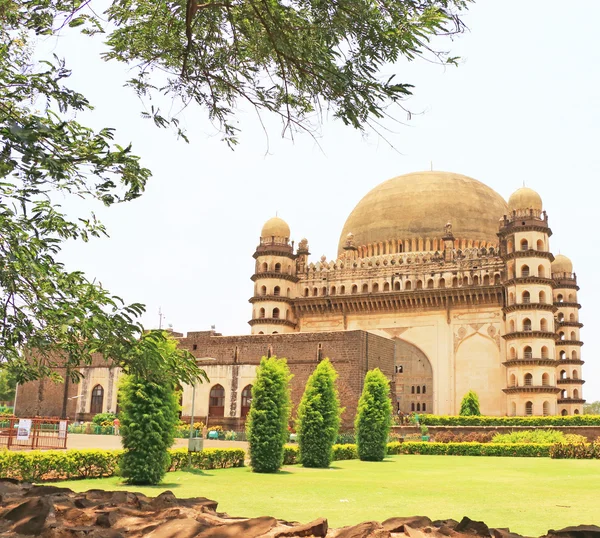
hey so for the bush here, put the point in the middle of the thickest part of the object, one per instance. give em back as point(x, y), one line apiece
point(345, 438)
point(36, 466)
point(230, 435)
point(453, 420)
point(469, 405)
point(575, 450)
point(530, 436)
point(318, 417)
point(522, 450)
point(373, 418)
point(574, 438)
point(269, 414)
point(104, 419)
point(149, 416)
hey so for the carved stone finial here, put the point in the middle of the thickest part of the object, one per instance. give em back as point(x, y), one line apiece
point(350, 240)
point(448, 229)
point(303, 245)
point(323, 259)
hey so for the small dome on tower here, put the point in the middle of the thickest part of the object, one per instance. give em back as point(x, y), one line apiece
point(524, 198)
point(275, 227)
point(562, 264)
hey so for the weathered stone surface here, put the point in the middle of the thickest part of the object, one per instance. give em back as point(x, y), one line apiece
point(368, 529)
point(29, 517)
point(40, 491)
point(396, 524)
point(581, 531)
point(179, 528)
point(165, 500)
point(317, 528)
point(250, 528)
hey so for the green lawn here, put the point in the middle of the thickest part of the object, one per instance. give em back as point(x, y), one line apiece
point(529, 495)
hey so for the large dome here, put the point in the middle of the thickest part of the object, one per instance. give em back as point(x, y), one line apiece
point(418, 206)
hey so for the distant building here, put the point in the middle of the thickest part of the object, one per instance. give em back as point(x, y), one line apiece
point(437, 281)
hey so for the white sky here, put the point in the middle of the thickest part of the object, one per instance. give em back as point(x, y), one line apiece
point(523, 106)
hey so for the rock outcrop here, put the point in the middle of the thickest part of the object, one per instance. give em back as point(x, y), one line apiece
point(55, 512)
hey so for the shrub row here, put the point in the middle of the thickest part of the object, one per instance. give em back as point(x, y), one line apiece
point(522, 450)
point(572, 420)
point(576, 450)
point(36, 466)
point(340, 452)
point(473, 437)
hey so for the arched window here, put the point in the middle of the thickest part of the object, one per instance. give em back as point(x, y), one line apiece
point(524, 270)
point(408, 285)
point(573, 336)
point(527, 352)
point(288, 292)
point(575, 374)
point(572, 317)
point(386, 286)
point(97, 400)
point(306, 292)
point(475, 280)
point(540, 244)
point(275, 313)
point(430, 284)
point(529, 409)
point(528, 380)
point(486, 280)
point(524, 244)
point(573, 355)
point(276, 290)
point(512, 326)
point(264, 267)
point(342, 290)
point(562, 355)
point(466, 281)
point(261, 313)
point(354, 289)
point(513, 380)
point(561, 335)
point(419, 285)
point(545, 380)
point(564, 412)
point(324, 291)
point(542, 297)
point(563, 374)
point(527, 324)
point(246, 400)
point(563, 394)
point(216, 402)
point(261, 332)
point(424, 406)
point(546, 408)
point(441, 283)
point(513, 353)
point(424, 389)
point(543, 325)
point(375, 288)
point(545, 353)
point(278, 268)
point(575, 394)
point(397, 285)
point(571, 298)
point(509, 247)
point(333, 290)
point(412, 406)
point(559, 298)
point(576, 412)
point(455, 282)
point(418, 406)
point(263, 290)
point(541, 271)
point(365, 288)
point(526, 297)
point(412, 390)
point(497, 278)
point(418, 389)
point(511, 298)
point(315, 292)
point(560, 317)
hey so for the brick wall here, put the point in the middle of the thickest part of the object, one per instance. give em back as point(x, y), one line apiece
point(45, 398)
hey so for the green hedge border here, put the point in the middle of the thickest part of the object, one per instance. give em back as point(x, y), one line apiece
point(38, 466)
point(452, 420)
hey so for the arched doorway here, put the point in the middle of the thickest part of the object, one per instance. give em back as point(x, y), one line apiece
point(413, 369)
point(97, 400)
point(216, 402)
point(246, 400)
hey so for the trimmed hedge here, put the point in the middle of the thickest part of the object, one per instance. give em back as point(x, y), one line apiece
point(521, 450)
point(576, 450)
point(340, 452)
point(572, 420)
point(37, 466)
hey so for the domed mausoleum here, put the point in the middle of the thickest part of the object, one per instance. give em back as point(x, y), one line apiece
point(437, 281)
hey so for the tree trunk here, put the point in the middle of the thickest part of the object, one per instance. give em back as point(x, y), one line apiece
point(65, 394)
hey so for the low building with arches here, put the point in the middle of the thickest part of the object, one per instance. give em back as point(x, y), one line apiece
point(437, 280)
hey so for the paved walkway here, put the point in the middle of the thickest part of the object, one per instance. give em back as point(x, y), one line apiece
point(105, 442)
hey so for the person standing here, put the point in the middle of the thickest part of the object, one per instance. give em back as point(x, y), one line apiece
point(116, 426)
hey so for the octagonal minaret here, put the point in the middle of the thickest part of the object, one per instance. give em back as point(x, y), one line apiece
point(568, 343)
point(274, 280)
point(529, 309)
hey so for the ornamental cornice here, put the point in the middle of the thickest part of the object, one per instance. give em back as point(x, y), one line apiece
point(570, 381)
point(569, 343)
point(548, 307)
point(570, 324)
point(567, 305)
point(273, 274)
point(273, 252)
point(563, 284)
point(569, 361)
point(571, 401)
point(436, 298)
point(540, 389)
point(271, 321)
point(529, 362)
point(528, 335)
point(530, 253)
point(530, 226)
point(271, 298)
point(530, 280)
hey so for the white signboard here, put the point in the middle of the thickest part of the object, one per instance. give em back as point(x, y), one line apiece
point(24, 429)
point(62, 429)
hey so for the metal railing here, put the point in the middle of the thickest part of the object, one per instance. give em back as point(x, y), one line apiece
point(33, 433)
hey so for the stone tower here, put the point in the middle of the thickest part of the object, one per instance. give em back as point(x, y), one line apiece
point(529, 311)
point(568, 343)
point(274, 280)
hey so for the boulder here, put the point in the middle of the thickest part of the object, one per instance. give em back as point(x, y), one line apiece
point(580, 531)
point(317, 528)
point(179, 528)
point(396, 524)
point(29, 517)
point(468, 526)
point(367, 529)
point(250, 528)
